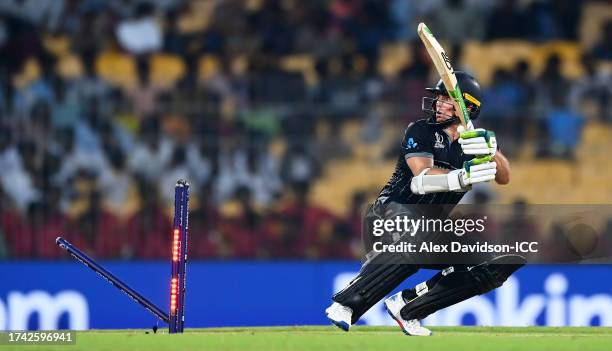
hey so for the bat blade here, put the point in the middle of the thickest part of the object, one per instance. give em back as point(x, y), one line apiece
point(445, 70)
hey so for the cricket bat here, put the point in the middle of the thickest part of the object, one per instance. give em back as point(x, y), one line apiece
point(446, 72)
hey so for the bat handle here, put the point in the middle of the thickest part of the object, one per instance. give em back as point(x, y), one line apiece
point(469, 126)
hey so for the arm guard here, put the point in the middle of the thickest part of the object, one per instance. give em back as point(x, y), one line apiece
point(426, 184)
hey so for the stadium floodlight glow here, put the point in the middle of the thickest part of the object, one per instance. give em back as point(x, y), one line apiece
point(176, 314)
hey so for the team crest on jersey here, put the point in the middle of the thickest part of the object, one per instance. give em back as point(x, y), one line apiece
point(411, 144)
point(439, 141)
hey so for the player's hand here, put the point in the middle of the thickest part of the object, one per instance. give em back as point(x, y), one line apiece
point(477, 170)
point(478, 142)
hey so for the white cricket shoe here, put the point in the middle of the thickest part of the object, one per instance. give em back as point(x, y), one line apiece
point(394, 305)
point(339, 315)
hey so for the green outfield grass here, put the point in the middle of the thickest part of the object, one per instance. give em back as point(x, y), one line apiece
point(329, 338)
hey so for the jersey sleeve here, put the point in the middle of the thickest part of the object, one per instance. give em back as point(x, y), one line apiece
point(417, 142)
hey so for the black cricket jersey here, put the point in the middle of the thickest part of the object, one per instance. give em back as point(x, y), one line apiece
point(424, 140)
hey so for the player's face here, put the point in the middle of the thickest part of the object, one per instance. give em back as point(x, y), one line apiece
point(444, 108)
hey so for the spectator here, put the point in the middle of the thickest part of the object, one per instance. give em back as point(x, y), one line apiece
point(524, 110)
point(12, 229)
point(37, 91)
point(595, 86)
point(66, 108)
point(115, 183)
point(149, 227)
point(23, 243)
point(343, 13)
point(40, 128)
point(298, 166)
point(522, 224)
point(506, 21)
point(47, 223)
point(144, 96)
point(23, 42)
point(201, 160)
point(602, 50)
point(564, 128)
point(355, 222)
point(70, 18)
point(414, 78)
point(95, 28)
point(316, 225)
point(16, 181)
point(77, 157)
point(421, 62)
point(402, 13)
point(43, 14)
point(205, 239)
point(504, 99)
point(91, 87)
point(333, 240)
point(566, 14)
point(140, 34)
point(16, 178)
point(340, 90)
point(258, 171)
point(88, 129)
point(372, 27)
point(177, 168)
point(242, 229)
point(174, 41)
point(281, 237)
point(551, 83)
point(541, 24)
point(457, 22)
point(276, 36)
point(152, 153)
point(271, 84)
point(290, 230)
point(250, 168)
point(98, 231)
point(122, 123)
point(313, 31)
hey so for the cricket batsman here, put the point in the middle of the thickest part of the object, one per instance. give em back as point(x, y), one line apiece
point(437, 165)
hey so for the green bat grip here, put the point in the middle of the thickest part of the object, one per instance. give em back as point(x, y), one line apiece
point(476, 161)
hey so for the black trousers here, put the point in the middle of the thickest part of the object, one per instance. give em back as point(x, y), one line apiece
point(381, 273)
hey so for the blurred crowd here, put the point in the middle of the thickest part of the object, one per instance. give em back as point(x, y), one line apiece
point(96, 159)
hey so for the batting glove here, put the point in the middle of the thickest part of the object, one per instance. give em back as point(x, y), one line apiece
point(478, 170)
point(478, 142)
